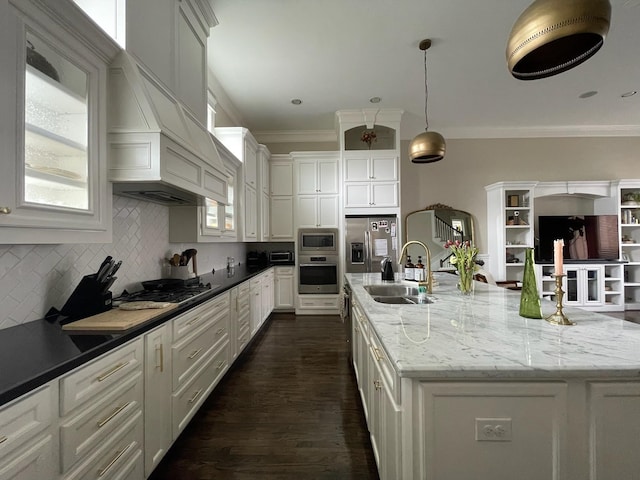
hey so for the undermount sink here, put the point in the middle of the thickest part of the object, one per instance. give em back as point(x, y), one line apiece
point(391, 290)
point(396, 294)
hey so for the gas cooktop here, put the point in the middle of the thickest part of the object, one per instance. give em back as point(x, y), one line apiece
point(175, 294)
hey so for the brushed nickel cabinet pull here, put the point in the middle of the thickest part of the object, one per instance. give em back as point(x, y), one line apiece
point(102, 423)
point(195, 395)
point(160, 350)
point(5, 210)
point(220, 331)
point(118, 367)
point(195, 354)
point(221, 364)
point(193, 320)
point(3, 439)
point(377, 354)
point(104, 470)
point(377, 384)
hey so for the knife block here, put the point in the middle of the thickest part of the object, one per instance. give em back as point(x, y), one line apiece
point(87, 299)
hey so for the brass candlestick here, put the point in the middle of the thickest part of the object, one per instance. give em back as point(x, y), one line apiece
point(559, 318)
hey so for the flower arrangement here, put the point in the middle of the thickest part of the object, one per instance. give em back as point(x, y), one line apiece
point(368, 136)
point(464, 259)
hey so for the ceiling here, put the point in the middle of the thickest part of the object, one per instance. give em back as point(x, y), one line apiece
point(337, 54)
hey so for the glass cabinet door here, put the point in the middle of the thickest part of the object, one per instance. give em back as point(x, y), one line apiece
point(56, 161)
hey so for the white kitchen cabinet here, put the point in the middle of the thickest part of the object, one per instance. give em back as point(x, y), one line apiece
point(55, 188)
point(317, 172)
point(371, 181)
point(264, 217)
point(27, 436)
point(172, 43)
point(240, 319)
point(101, 408)
point(317, 180)
point(284, 288)
point(267, 295)
point(244, 146)
point(281, 198)
point(317, 211)
point(256, 304)
point(157, 396)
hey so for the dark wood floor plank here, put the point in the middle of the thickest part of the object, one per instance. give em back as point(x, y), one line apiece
point(288, 409)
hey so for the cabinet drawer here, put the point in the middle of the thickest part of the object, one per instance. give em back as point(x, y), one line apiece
point(243, 289)
point(284, 271)
point(24, 419)
point(33, 462)
point(86, 431)
point(188, 399)
point(90, 380)
point(244, 319)
point(190, 321)
point(189, 355)
point(115, 454)
point(243, 338)
point(256, 283)
point(324, 301)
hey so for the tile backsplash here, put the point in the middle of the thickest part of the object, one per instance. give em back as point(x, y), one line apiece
point(34, 278)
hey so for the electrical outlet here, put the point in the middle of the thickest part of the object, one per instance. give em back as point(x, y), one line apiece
point(493, 430)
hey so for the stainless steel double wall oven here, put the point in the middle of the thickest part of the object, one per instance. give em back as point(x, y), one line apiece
point(318, 260)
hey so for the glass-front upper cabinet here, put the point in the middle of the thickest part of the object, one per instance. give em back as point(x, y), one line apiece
point(54, 188)
point(56, 162)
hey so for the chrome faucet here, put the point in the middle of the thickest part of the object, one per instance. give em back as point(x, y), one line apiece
point(429, 279)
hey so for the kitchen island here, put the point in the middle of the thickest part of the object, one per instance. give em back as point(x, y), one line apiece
point(466, 388)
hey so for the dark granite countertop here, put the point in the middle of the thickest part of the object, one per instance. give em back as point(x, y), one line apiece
point(38, 352)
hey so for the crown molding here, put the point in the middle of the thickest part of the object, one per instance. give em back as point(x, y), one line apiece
point(543, 132)
point(295, 136)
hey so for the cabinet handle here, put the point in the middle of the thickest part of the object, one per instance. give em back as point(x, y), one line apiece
point(377, 384)
point(193, 320)
point(195, 354)
point(102, 423)
point(220, 365)
point(357, 329)
point(118, 367)
point(3, 439)
point(195, 395)
point(220, 331)
point(160, 350)
point(104, 470)
point(5, 210)
point(377, 354)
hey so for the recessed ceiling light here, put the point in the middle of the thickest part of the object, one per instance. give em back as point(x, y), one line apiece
point(375, 99)
point(296, 101)
point(629, 94)
point(588, 94)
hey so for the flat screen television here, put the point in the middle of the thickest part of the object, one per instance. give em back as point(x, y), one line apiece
point(586, 237)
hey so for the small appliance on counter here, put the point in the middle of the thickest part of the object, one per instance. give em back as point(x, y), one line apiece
point(257, 259)
point(92, 295)
point(281, 257)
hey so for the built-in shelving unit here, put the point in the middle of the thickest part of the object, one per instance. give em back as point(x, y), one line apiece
point(629, 208)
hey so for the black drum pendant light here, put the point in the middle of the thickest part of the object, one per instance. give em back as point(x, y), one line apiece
point(553, 36)
point(428, 147)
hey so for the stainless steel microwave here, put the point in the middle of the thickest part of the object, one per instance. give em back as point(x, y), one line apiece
point(320, 240)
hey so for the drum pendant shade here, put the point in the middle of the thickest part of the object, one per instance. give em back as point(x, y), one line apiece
point(553, 36)
point(427, 147)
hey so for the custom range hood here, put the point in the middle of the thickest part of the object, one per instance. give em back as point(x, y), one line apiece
point(157, 150)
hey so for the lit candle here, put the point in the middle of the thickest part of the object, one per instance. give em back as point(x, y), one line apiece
point(557, 256)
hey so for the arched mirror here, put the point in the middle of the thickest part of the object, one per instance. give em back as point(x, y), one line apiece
point(433, 226)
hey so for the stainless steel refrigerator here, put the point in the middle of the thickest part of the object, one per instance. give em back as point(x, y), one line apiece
point(368, 240)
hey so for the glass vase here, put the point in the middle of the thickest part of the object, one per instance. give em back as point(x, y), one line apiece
point(529, 299)
point(465, 282)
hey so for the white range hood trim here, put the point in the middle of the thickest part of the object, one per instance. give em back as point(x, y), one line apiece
point(155, 144)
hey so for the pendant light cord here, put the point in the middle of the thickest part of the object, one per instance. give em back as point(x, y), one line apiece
point(426, 92)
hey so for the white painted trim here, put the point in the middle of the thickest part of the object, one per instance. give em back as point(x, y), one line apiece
point(296, 136)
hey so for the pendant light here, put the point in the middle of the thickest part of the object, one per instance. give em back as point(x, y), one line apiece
point(428, 147)
point(553, 36)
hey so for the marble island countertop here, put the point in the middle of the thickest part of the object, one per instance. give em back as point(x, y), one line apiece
point(482, 336)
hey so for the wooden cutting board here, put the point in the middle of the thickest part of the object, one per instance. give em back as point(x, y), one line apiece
point(116, 320)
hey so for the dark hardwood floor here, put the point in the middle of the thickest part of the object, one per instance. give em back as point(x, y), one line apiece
point(287, 409)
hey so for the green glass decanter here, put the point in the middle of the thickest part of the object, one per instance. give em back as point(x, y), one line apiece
point(529, 299)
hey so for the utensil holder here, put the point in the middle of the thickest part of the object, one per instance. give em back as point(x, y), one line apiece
point(181, 271)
